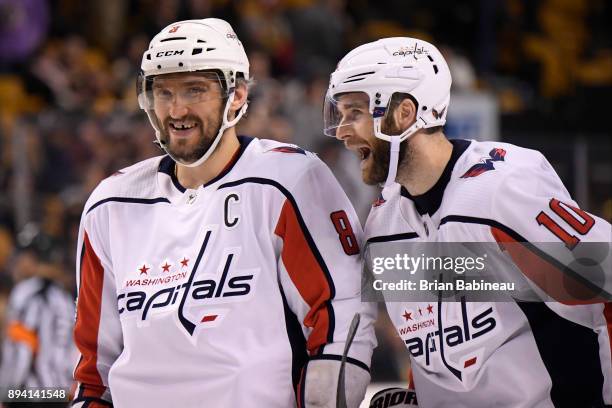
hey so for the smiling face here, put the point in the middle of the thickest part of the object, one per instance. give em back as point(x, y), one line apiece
point(189, 109)
point(356, 130)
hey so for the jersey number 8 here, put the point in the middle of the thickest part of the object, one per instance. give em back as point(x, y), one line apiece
point(345, 232)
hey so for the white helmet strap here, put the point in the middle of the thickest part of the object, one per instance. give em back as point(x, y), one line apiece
point(226, 124)
point(394, 146)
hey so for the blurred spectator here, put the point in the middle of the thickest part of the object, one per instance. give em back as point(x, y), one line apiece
point(6, 249)
point(265, 26)
point(23, 27)
point(320, 30)
point(37, 350)
point(462, 71)
point(306, 108)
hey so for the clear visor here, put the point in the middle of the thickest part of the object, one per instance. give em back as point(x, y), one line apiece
point(186, 88)
point(344, 110)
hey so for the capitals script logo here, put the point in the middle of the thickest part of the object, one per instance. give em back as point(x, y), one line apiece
point(414, 51)
point(432, 335)
point(496, 154)
point(192, 294)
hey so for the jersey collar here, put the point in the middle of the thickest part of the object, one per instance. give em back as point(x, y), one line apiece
point(429, 202)
point(168, 166)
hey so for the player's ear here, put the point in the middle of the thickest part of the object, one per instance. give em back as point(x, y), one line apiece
point(405, 114)
point(241, 94)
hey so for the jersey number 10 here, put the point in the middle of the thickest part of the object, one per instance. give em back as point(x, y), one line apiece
point(581, 225)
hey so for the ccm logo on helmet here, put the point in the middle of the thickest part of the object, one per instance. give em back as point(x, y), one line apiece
point(169, 53)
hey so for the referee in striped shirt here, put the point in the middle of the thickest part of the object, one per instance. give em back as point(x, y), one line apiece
point(37, 351)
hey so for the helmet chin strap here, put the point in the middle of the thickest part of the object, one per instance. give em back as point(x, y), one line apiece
point(224, 125)
point(394, 147)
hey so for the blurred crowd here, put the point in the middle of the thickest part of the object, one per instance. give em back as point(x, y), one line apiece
point(69, 116)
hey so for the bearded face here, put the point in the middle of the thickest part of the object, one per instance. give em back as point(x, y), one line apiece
point(377, 170)
point(189, 109)
point(353, 124)
point(188, 138)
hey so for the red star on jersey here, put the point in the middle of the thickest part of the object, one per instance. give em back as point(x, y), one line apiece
point(407, 316)
point(430, 309)
point(184, 262)
point(166, 267)
point(143, 270)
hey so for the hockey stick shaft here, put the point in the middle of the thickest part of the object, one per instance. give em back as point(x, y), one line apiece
point(340, 394)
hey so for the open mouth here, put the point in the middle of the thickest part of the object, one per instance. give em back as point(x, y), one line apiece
point(182, 126)
point(364, 153)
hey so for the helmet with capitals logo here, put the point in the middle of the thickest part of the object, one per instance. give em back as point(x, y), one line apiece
point(209, 46)
point(384, 67)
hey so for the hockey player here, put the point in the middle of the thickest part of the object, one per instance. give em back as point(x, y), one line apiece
point(225, 273)
point(387, 101)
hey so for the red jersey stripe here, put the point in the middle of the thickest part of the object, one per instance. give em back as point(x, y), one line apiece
point(88, 321)
point(306, 274)
point(547, 276)
point(608, 316)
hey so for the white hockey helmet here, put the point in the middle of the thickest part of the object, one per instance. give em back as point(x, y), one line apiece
point(208, 45)
point(384, 67)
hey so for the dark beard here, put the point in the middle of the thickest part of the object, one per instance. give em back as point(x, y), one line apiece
point(205, 139)
point(381, 155)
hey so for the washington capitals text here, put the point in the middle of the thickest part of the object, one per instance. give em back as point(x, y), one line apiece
point(200, 290)
point(452, 336)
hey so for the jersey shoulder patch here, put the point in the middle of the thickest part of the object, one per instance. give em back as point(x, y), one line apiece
point(287, 149)
point(280, 161)
point(486, 163)
point(497, 158)
point(482, 174)
point(273, 146)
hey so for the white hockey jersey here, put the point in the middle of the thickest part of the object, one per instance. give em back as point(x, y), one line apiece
point(217, 296)
point(499, 354)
